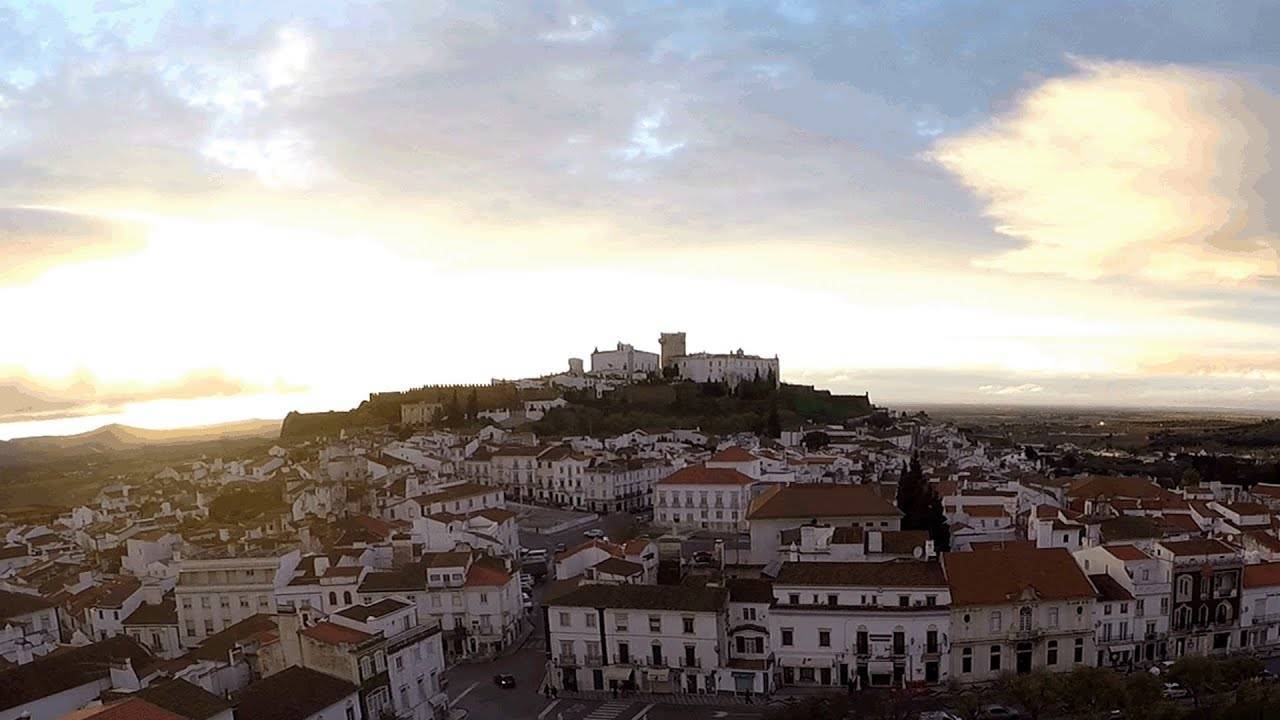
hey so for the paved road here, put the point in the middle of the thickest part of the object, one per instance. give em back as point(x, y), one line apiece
point(610, 524)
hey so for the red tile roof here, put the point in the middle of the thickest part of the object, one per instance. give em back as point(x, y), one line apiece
point(996, 577)
point(733, 454)
point(702, 475)
point(332, 634)
point(815, 501)
point(131, 709)
point(486, 573)
point(1127, 552)
point(1262, 575)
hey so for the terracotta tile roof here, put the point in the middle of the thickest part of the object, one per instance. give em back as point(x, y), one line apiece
point(1135, 527)
point(66, 669)
point(1265, 539)
point(702, 475)
point(1173, 523)
point(1109, 590)
point(131, 709)
point(217, 646)
point(984, 511)
point(1127, 552)
point(903, 542)
point(645, 597)
point(1262, 575)
point(617, 566)
point(750, 590)
point(163, 613)
point(116, 591)
point(14, 604)
point(1104, 486)
point(1002, 545)
point(1197, 546)
point(184, 698)
point(331, 634)
point(460, 491)
point(995, 577)
point(1246, 508)
point(487, 572)
point(383, 607)
point(733, 454)
point(905, 573)
point(814, 501)
point(292, 694)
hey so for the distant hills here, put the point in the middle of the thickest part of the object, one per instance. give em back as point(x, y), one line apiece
point(114, 437)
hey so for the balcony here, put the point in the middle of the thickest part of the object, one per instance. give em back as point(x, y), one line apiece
point(567, 660)
point(691, 662)
point(1265, 618)
point(1026, 633)
point(593, 661)
point(1227, 592)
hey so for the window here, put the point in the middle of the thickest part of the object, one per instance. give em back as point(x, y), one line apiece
point(484, 597)
point(931, 641)
point(624, 653)
point(794, 598)
point(1138, 607)
point(824, 637)
point(742, 644)
point(831, 599)
point(564, 620)
point(590, 619)
point(899, 642)
point(688, 625)
point(863, 643)
point(1053, 617)
point(995, 658)
point(748, 613)
point(930, 600)
point(1106, 608)
point(346, 597)
point(1052, 657)
point(904, 600)
point(788, 635)
point(997, 623)
point(1164, 605)
point(655, 623)
point(399, 662)
point(1079, 651)
point(966, 660)
point(620, 622)
point(1184, 588)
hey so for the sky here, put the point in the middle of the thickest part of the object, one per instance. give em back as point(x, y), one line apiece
point(213, 211)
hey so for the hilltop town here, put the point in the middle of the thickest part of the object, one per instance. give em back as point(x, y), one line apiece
point(655, 534)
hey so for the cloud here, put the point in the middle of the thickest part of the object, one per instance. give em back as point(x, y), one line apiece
point(1023, 389)
point(1159, 172)
point(24, 399)
point(33, 240)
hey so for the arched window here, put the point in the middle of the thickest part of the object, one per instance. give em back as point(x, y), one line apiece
point(1224, 612)
point(1024, 619)
point(346, 597)
point(333, 598)
point(1184, 587)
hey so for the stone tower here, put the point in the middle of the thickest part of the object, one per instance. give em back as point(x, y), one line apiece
point(672, 345)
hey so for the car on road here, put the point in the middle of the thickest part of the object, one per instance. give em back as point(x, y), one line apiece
point(938, 715)
point(504, 680)
point(1174, 691)
point(560, 547)
point(997, 712)
point(594, 533)
point(526, 580)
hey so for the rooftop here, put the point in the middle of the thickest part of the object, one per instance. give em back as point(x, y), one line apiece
point(905, 573)
point(295, 693)
point(996, 577)
point(814, 501)
point(702, 475)
point(645, 597)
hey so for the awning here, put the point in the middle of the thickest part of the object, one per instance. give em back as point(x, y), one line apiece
point(658, 674)
point(880, 667)
point(616, 672)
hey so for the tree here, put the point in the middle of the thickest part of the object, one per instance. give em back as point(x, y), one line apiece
point(473, 405)
point(773, 424)
point(921, 506)
point(816, 440)
point(1198, 674)
point(1143, 697)
point(1092, 692)
point(1038, 692)
point(967, 702)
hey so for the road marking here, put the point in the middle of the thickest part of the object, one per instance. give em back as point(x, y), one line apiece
point(547, 709)
point(463, 694)
point(644, 712)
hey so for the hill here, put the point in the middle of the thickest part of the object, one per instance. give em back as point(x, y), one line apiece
point(110, 438)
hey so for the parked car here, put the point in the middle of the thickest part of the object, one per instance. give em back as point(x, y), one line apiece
point(527, 603)
point(997, 712)
point(504, 681)
point(1174, 691)
point(938, 715)
point(559, 547)
point(526, 580)
point(594, 533)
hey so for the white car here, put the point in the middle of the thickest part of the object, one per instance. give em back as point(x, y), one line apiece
point(1174, 691)
point(938, 715)
point(594, 533)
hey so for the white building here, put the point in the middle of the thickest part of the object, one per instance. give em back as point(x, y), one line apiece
point(414, 654)
point(1018, 610)
point(782, 508)
point(1145, 577)
point(861, 624)
point(623, 361)
point(702, 498)
point(653, 638)
point(729, 368)
point(215, 591)
point(1260, 606)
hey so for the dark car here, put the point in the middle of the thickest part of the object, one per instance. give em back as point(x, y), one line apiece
point(559, 547)
point(504, 681)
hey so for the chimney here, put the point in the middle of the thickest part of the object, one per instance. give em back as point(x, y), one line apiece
point(123, 677)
